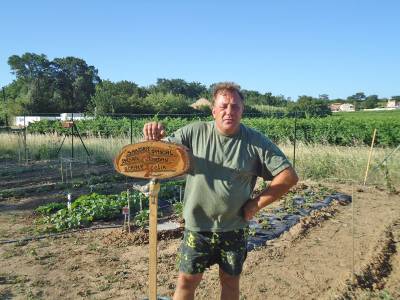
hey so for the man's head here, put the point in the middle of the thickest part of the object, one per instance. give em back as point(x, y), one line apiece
point(228, 106)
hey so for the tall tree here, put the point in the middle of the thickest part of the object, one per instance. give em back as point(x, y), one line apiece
point(120, 97)
point(371, 101)
point(61, 85)
point(360, 96)
point(192, 90)
point(75, 83)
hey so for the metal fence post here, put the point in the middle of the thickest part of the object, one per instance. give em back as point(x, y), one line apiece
point(72, 136)
point(294, 140)
point(131, 130)
point(25, 150)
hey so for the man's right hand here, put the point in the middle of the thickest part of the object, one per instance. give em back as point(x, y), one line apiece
point(153, 131)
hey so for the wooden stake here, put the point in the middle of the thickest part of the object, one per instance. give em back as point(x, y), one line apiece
point(154, 189)
point(369, 156)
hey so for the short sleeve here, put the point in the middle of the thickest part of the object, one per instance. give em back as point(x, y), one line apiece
point(181, 136)
point(273, 161)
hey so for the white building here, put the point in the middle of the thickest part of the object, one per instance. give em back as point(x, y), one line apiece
point(22, 121)
point(77, 116)
point(346, 107)
point(19, 120)
point(393, 104)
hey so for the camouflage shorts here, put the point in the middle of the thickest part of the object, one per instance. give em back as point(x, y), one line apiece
point(200, 250)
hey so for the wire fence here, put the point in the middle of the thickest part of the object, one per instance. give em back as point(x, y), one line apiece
point(66, 139)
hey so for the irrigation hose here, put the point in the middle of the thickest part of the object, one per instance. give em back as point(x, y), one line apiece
point(64, 234)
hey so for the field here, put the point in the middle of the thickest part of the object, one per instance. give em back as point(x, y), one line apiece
point(340, 250)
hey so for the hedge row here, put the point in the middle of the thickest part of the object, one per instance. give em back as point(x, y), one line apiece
point(333, 130)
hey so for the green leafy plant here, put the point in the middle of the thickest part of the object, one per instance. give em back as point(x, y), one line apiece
point(50, 208)
point(89, 208)
point(141, 219)
point(178, 208)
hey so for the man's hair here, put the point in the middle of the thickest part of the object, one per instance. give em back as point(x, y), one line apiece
point(222, 87)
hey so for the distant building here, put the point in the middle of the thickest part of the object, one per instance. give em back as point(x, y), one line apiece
point(201, 102)
point(335, 107)
point(346, 107)
point(393, 104)
point(76, 116)
point(21, 121)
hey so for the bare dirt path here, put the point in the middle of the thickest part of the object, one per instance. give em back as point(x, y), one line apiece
point(313, 261)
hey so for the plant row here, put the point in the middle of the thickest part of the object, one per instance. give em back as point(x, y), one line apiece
point(97, 207)
point(333, 130)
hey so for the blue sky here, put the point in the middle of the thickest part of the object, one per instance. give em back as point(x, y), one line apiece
point(285, 47)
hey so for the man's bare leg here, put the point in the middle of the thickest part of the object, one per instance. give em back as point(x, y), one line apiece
point(229, 286)
point(186, 286)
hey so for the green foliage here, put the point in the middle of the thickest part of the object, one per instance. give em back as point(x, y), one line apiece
point(178, 208)
point(168, 103)
point(62, 85)
point(50, 208)
point(335, 130)
point(192, 90)
point(310, 107)
point(141, 219)
point(89, 208)
point(120, 97)
point(255, 98)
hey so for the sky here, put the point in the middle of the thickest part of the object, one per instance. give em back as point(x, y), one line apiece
point(286, 47)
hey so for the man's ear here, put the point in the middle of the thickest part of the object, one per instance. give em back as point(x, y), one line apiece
point(213, 112)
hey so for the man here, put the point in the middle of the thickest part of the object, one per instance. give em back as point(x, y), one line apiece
point(227, 159)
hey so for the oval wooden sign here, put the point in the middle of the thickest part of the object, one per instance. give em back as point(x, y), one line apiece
point(152, 159)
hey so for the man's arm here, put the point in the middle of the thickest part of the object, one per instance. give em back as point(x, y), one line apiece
point(279, 186)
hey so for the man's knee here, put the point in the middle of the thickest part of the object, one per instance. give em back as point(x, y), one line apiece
point(189, 281)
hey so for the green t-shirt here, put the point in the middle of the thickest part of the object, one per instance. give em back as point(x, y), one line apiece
point(223, 173)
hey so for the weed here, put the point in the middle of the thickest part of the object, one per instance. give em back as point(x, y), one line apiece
point(111, 278)
point(104, 287)
point(265, 224)
point(252, 231)
point(178, 208)
point(142, 218)
point(93, 247)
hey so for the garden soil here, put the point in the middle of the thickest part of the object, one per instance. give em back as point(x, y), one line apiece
point(314, 260)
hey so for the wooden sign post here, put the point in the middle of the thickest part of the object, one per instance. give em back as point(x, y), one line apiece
point(152, 160)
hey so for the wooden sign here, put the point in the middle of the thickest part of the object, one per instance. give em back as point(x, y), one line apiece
point(152, 159)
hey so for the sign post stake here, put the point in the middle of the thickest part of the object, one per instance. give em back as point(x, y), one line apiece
point(154, 189)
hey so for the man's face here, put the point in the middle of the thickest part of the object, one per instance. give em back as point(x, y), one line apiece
point(227, 112)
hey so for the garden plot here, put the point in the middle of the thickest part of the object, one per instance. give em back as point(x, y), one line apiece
point(312, 260)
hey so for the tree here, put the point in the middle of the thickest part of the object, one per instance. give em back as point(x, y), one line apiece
point(397, 98)
point(29, 66)
point(74, 84)
point(120, 97)
point(371, 101)
point(61, 85)
point(360, 96)
point(169, 103)
point(33, 70)
point(310, 107)
point(192, 90)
